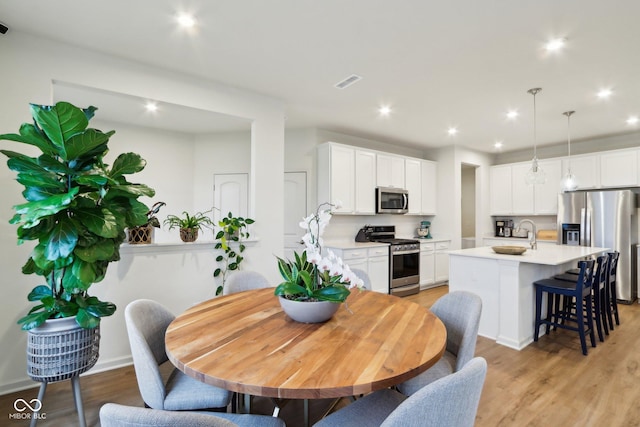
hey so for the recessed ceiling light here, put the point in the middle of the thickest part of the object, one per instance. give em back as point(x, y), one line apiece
point(384, 110)
point(633, 120)
point(452, 131)
point(512, 114)
point(186, 20)
point(604, 93)
point(555, 45)
point(151, 106)
point(498, 144)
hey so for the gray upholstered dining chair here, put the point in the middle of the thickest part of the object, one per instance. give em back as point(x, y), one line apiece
point(451, 401)
point(241, 280)
point(114, 415)
point(147, 323)
point(460, 313)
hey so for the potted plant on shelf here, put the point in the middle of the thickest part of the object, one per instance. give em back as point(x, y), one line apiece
point(143, 234)
point(229, 239)
point(77, 209)
point(313, 278)
point(189, 225)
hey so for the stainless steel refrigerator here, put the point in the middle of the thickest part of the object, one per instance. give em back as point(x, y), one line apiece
point(604, 219)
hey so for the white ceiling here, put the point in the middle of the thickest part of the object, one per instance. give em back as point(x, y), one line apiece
point(438, 64)
point(123, 108)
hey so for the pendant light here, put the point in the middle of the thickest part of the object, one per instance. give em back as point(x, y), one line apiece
point(535, 175)
point(569, 181)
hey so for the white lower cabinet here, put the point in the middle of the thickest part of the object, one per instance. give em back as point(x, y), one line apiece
point(378, 270)
point(374, 261)
point(442, 261)
point(427, 265)
point(434, 263)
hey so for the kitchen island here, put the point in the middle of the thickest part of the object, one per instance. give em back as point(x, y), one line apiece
point(505, 284)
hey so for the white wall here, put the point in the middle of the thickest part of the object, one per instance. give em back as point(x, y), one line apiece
point(448, 219)
point(219, 153)
point(468, 205)
point(175, 276)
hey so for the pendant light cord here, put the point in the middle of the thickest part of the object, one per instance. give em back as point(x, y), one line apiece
point(535, 127)
point(568, 114)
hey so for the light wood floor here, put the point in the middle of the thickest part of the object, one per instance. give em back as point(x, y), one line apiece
point(547, 383)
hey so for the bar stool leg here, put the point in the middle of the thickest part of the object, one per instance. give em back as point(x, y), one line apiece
point(580, 321)
point(536, 329)
point(77, 398)
point(34, 417)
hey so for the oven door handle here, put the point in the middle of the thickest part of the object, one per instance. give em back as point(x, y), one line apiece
point(409, 252)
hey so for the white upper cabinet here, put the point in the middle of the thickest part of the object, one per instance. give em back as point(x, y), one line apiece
point(500, 200)
point(365, 182)
point(521, 192)
point(413, 184)
point(585, 169)
point(429, 177)
point(546, 195)
point(390, 171)
point(351, 174)
point(509, 194)
point(336, 176)
point(619, 168)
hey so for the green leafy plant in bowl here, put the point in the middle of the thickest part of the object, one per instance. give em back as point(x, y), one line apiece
point(189, 225)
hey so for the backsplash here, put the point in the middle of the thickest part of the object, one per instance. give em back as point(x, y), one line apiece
point(345, 227)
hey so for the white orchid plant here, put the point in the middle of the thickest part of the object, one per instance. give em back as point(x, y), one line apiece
point(314, 276)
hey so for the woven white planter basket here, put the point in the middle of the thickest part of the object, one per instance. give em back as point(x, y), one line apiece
point(60, 349)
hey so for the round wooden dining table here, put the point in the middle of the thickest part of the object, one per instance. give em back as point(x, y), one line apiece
point(245, 343)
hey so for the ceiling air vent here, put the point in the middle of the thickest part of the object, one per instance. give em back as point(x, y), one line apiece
point(348, 81)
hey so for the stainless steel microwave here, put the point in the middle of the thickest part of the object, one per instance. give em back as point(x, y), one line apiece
point(392, 200)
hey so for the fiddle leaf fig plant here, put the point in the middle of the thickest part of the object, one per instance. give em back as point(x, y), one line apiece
point(229, 239)
point(76, 210)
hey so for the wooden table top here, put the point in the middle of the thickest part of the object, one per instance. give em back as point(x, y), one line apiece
point(244, 342)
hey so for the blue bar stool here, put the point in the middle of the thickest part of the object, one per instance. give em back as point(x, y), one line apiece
point(599, 291)
point(612, 304)
point(580, 291)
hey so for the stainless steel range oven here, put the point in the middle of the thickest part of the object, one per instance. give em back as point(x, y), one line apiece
point(404, 259)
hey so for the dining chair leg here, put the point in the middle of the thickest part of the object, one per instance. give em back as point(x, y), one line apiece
point(306, 412)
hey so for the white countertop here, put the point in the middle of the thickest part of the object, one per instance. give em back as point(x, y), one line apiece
point(545, 254)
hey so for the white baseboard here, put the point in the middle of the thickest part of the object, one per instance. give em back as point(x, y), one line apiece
point(101, 366)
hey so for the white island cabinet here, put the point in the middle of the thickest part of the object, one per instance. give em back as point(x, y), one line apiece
point(505, 284)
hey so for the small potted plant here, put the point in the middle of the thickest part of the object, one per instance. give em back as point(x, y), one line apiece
point(189, 225)
point(143, 234)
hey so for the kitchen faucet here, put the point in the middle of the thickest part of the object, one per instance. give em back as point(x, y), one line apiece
point(533, 242)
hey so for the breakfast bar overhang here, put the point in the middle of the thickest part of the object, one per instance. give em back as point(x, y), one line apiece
point(505, 284)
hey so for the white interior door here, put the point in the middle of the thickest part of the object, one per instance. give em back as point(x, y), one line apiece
point(295, 208)
point(230, 194)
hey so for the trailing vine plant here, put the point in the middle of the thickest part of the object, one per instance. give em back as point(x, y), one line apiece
point(229, 239)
